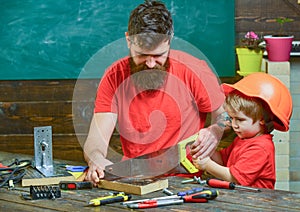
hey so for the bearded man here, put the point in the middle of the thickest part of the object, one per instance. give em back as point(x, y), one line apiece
point(158, 96)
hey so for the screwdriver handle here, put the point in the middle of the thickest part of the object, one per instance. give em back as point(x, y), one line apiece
point(196, 198)
point(191, 191)
point(215, 183)
point(109, 199)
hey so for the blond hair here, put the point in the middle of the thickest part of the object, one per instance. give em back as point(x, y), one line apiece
point(252, 107)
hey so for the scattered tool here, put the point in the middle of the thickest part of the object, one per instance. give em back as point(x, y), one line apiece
point(43, 155)
point(75, 185)
point(216, 183)
point(195, 179)
point(76, 168)
point(13, 173)
point(167, 192)
point(42, 192)
point(154, 203)
point(201, 197)
point(150, 199)
point(115, 197)
point(211, 193)
point(191, 191)
point(198, 197)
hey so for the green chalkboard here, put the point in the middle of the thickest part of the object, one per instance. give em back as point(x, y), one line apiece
point(68, 39)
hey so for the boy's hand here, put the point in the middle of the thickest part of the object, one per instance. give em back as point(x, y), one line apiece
point(201, 164)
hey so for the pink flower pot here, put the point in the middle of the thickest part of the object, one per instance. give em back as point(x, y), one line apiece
point(278, 48)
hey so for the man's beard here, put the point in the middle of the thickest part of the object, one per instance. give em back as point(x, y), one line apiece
point(148, 79)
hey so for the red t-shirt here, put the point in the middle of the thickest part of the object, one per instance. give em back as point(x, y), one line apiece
point(252, 161)
point(150, 121)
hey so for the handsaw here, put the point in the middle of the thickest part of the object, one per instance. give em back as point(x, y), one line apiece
point(169, 160)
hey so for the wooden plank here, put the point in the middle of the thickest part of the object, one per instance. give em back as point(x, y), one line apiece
point(35, 178)
point(133, 188)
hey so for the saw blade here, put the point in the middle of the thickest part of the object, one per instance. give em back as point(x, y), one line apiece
point(153, 164)
point(146, 166)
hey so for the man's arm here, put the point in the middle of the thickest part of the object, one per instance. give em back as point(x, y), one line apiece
point(97, 143)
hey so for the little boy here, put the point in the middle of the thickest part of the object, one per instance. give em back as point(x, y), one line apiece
point(256, 105)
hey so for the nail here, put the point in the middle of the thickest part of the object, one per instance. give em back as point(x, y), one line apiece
point(187, 181)
point(168, 192)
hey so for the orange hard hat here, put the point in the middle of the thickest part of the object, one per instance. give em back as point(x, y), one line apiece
point(271, 90)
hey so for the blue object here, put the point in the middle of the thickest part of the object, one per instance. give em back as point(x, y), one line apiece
point(76, 168)
point(188, 192)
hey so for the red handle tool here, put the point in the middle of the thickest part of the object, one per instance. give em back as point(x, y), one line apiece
point(215, 183)
point(200, 197)
point(155, 203)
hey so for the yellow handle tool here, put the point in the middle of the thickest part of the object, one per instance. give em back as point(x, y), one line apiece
point(117, 197)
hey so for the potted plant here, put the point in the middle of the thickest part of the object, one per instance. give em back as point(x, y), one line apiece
point(279, 45)
point(249, 54)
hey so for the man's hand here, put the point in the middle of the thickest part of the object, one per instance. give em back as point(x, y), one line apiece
point(207, 142)
point(94, 174)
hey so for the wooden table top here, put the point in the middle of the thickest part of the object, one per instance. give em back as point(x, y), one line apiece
point(76, 200)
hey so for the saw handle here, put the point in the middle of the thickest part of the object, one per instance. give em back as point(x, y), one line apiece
point(185, 162)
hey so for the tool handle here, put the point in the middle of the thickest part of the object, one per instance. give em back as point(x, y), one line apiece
point(111, 200)
point(76, 168)
point(196, 198)
point(184, 161)
point(155, 203)
point(215, 183)
point(208, 194)
point(188, 192)
point(74, 185)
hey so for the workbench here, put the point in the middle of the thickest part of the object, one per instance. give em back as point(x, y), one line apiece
point(77, 200)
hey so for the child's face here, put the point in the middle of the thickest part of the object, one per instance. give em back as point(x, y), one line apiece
point(244, 126)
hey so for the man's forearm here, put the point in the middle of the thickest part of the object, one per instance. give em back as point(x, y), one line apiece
point(97, 142)
point(94, 154)
point(217, 131)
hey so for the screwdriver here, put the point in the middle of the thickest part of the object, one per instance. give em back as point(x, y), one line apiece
point(191, 191)
point(211, 193)
point(215, 183)
point(116, 197)
point(154, 203)
point(198, 197)
point(175, 200)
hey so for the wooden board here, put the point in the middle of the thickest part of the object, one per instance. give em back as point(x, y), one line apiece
point(132, 188)
point(35, 178)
